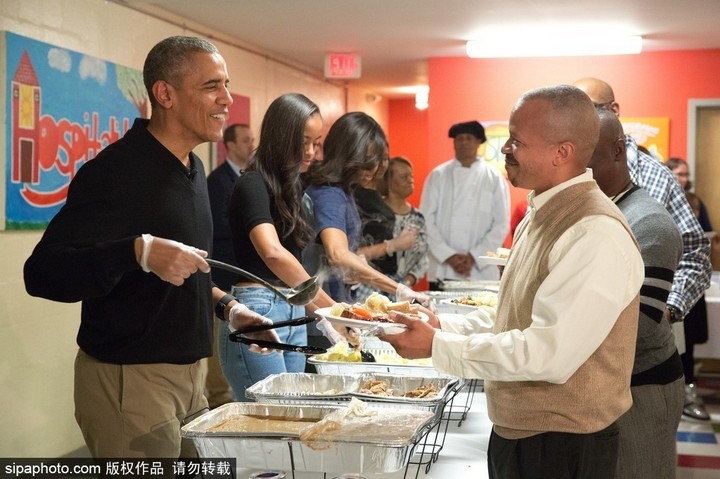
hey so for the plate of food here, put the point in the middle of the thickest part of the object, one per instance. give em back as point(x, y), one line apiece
point(498, 257)
point(494, 260)
point(471, 302)
point(374, 312)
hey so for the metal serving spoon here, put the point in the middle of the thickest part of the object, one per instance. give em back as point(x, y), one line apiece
point(300, 295)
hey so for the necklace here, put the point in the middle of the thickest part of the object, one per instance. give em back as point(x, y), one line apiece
point(624, 189)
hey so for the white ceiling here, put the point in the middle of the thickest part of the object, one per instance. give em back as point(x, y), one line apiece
point(396, 37)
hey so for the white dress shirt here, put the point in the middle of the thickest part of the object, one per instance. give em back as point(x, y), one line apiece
point(595, 270)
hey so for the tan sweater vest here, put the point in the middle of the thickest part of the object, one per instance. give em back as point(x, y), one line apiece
point(599, 391)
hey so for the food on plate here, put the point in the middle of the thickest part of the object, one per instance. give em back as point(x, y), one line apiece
point(483, 298)
point(503, 253)
point(375, 308)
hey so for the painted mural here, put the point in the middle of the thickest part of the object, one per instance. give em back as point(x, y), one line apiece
point(61, 109)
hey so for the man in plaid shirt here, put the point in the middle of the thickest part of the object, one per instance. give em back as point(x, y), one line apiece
point(692, 276)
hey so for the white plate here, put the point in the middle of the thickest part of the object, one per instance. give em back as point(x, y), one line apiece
point(458, 307)
point(389, 328)
point(494, 260)
point(710, 234)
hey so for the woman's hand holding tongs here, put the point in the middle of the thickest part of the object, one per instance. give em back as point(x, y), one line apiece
point(242, 317)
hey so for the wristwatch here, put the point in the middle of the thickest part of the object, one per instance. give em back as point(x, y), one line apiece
point(675, 315)
point(222, 304)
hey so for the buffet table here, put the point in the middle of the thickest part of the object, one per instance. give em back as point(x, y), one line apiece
point(464, 451)
point(408, 425)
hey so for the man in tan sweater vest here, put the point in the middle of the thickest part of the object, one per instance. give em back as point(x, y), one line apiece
point(558, 357)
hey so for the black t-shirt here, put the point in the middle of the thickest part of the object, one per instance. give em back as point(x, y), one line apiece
point(377, 225)
point(252, 205)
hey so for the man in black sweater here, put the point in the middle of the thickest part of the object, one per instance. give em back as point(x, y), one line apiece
point(130, 244)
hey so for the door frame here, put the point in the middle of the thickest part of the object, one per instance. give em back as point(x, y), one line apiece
point(693, 106)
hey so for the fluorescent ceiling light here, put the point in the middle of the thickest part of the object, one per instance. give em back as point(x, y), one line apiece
point(544, 44)
point(421, 98)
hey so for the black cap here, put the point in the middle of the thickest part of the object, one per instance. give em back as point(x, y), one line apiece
point(472, 127)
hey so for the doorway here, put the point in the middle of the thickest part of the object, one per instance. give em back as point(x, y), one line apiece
point(704, 159)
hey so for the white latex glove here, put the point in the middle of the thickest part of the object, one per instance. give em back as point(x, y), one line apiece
point(171, 260)
point(404, 241)
point(405, 293)
point(339, 334)
point(241, 316)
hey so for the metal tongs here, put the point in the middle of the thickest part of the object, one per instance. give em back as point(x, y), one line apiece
point(237, 336)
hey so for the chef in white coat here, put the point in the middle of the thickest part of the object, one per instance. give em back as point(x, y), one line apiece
point(466, 204)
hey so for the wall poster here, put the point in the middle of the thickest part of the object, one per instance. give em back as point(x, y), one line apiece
point(61, 109)
point(652, 133)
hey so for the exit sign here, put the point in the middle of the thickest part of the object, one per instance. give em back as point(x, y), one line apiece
point(342, 65)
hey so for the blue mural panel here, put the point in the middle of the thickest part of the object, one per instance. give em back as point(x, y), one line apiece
point(62, 108)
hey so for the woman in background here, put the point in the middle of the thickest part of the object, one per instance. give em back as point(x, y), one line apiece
point(396, 187)
point(352, 152)
point(380, 242)
point(270, 228)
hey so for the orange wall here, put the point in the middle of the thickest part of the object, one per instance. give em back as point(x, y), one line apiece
point(407, 135)
point(655, 84)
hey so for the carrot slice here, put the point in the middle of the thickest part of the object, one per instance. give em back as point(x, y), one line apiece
point(363, 313)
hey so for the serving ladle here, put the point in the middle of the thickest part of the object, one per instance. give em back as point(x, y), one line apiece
point(300, 295)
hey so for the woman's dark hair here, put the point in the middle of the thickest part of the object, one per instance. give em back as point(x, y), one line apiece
point(675, 162)
point(278, 157)
point(355, 143)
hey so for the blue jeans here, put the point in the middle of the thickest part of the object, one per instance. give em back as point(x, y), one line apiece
point(243, 368)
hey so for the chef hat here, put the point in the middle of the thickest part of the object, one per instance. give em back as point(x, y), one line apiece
point(472, 127)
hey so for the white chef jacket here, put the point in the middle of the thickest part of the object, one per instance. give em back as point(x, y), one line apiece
point(467, 210)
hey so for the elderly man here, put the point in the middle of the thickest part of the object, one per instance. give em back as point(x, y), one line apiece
point(647, 431)
point(557, 363)
point(693, 275)
point(467, 210)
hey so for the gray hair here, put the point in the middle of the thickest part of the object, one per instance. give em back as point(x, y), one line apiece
point(572, 116)
point(168, 60)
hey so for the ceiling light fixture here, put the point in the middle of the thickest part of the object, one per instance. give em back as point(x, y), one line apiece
point(422, 97)
point(544, 44)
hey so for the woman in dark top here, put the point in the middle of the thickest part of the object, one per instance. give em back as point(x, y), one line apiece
point(378, 244)
point(353, 149)
point(270, 229)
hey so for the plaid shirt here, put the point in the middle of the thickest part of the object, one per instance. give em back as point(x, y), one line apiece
point(693, 274)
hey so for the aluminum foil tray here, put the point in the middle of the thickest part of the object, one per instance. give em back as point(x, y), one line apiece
point(388, 362)
point(401, 384)
point(295, 387)
point(364, 453)
point(304, 388)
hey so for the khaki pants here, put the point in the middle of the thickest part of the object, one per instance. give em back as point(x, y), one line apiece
point(136, 410)
point(217, 389)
